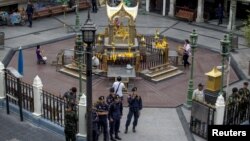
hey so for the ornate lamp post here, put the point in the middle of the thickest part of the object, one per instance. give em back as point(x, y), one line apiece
point(193, 44)
point(77, 22)
point(88, 36)
point(224, 53)
point(79, 54)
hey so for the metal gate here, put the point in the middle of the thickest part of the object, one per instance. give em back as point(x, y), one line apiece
point(202, 115)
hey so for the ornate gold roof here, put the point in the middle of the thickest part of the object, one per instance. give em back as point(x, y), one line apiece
point(214, 73)
point(130, 12)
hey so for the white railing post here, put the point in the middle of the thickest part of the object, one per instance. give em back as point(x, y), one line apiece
point(164, 8)
point(37, 88)
point(172, 8)
point(200, 11)
point(220, 109)
point(82, 119)
point(2, 84)
point(147, 5)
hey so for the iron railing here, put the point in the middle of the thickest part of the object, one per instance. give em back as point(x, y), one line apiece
point(26, 93)
point(27, 96)
point(202, 115)
point(237, 112)
point(53, 108)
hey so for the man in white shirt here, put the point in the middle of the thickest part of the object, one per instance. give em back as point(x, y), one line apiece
point(198, 93)
point(118, 86)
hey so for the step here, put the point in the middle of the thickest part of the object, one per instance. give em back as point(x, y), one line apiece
point(162, 72)
point(167, 76)
point(72, 73)
point(73, 67)
point(159, 70)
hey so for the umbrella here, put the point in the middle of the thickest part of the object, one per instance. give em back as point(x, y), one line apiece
point(20, 61)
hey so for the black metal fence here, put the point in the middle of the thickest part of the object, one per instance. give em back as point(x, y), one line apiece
point(25, 94)
point(237, 111)
point(53, 108)
point(22, 95)
point(202, 115)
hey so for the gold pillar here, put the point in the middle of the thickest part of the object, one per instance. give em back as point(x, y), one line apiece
point(132, 34)
point(166, 54)
point(111, 33)
point(137, 62)
point(105, 61)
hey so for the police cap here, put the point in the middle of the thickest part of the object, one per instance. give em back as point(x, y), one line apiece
point(134, 89)
point(117, 97)
point(101, 98)
point(73, 89)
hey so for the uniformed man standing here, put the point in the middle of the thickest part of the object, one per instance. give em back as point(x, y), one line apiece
point(70, 124)
point(102, 111)
point(135, 105)
point(95, 121)
point(111, 97)
point(232, 103)
point(70, 97)
point(244, 100)
point(115, 115)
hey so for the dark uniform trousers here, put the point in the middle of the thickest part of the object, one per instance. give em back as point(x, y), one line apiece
point(95, 135)
point(114, 127)
point(70, 126)
point(103, 123)
point(70, 137)
point(135, 113)
point(95, 120)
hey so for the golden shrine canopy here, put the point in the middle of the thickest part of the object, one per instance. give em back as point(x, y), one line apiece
point(214, 73)
point(122, 10)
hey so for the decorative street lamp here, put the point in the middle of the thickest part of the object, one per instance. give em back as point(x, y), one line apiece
point(193, 44)
point(230, 38)
point(88, 36)
point(79, 58)
point(224, 53)
point(77, 22)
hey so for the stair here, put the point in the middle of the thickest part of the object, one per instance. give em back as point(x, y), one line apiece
point(73, 71)
point(157, 73)
point(157, 76)
point(167, 75)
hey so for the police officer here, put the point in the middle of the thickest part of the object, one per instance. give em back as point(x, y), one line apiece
point(244, 91)
point(135, 105)
point(244, 100)
point(115, 114)
point(70, 97)
point(234, 97)
point(232, 101)
point(95, 120)
point(70, 124)
point(102, 111)
point(111, 97)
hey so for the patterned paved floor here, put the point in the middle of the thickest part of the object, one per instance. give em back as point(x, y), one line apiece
point(12, 129)
point(169, 93)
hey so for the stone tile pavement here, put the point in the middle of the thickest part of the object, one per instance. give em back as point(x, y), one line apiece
point(12, 129)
